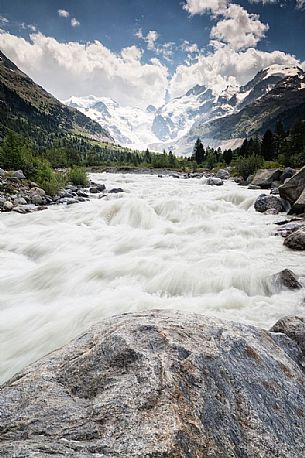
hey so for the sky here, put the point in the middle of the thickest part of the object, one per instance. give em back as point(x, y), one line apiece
point(143, 52)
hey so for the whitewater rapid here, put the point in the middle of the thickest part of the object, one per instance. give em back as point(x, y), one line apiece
point(164, 243)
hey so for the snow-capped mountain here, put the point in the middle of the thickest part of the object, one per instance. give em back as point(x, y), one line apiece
point(129, 126)
point(200, 111)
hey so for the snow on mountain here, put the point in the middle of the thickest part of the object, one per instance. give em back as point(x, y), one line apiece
point(129, 126)
point(172, 125)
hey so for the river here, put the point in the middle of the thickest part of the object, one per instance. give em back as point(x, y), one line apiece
point(164, 243)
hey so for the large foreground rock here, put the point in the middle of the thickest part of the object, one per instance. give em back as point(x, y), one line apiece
point(265, 177)
point(160, 384)
point(299, 205)
point(293, 188)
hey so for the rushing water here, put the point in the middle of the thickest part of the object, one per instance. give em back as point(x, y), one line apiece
point(164, 243)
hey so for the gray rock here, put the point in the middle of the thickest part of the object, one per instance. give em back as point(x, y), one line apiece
point(253, 186)
point(288, 173)
point(293, 188)
point(7, 206)
point(249, 179)
point(264, 177)
point(116, 190)
point(287, 279)
point(223, 174)
point(20, 201)
point(296, 240)
point(82, 193)
point(19, 175)
point(100, 187)
point(299, 206)
point(2, 172)
point(268, 202)
point(160, 384)
point(37, 199)
point(213, 181)
point(94, 190)
point(38, 191)
point(288, 227)
point(294, 328)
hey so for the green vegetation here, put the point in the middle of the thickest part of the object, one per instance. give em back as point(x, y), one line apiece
point(78, 176)
point(281, 148)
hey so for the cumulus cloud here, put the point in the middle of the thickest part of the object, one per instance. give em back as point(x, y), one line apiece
point(239, 28)
point(75, 22)
point(205, 6)
point(63, 13)
point(150, 38)
point(67, 69)
point(225, 67)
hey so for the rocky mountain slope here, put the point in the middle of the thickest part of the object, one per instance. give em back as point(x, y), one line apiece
point(162, 384)
point(28, 109)
point(219, 118)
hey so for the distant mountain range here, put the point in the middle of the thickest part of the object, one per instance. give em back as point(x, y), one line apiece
point(223, 119)
point(28, 109)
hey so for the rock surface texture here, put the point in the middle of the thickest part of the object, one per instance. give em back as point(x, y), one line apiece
point(293, 188)
point(296, 240)
point(265, 177)
point(264, 203)
point(160, 384)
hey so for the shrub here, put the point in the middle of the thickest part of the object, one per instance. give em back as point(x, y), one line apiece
point(47, 178)
point(246, 166)
point(78, 176)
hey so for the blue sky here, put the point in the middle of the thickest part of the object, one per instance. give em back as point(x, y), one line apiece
point(167, 39)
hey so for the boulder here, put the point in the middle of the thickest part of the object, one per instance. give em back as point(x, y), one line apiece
point(2, 172)
point(299, 205)
point(293, 327)
point(19, 175)
point(293, 188)
point(265, 177)
point(100, 187)
point(223, 174)
point(160, 384)
point(249, 179)
point(268, 202)
point(20, 201)
point(296, 240)
point(7, 206)
point(287, 279)
point(116, 190)
point(214, 181)
point(288, 173)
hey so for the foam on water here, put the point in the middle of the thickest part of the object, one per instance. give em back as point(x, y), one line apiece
point(164, 243)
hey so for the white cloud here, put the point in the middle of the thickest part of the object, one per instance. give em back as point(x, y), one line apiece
point(67, 69)
point(189, 48)
point(150, 38)
point(63, 13)
point(224, 67)
point(239, 28)
point(205, 6)
point(75, 22)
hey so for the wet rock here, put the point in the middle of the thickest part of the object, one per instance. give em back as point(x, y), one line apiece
point(223, 174)
point(287, 279)
point(266, 202)
point(160, 176)
point(116, 190)
point(82, 193)
point(240, 180)
point(253, 186)
point(175, 175)
point(37, 199)
point(19, 175)
point(249, 179)
point(288, 227)
point(100, 187)
point(292, 189)
point(94, 190)
point(264, 177)
point(214, 181)
point(7, 206)
point(296, 240)
point(160, 384)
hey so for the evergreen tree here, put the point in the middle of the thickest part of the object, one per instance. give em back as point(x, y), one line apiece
point(268, 146)
point(199, 154)
point(228, 156)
